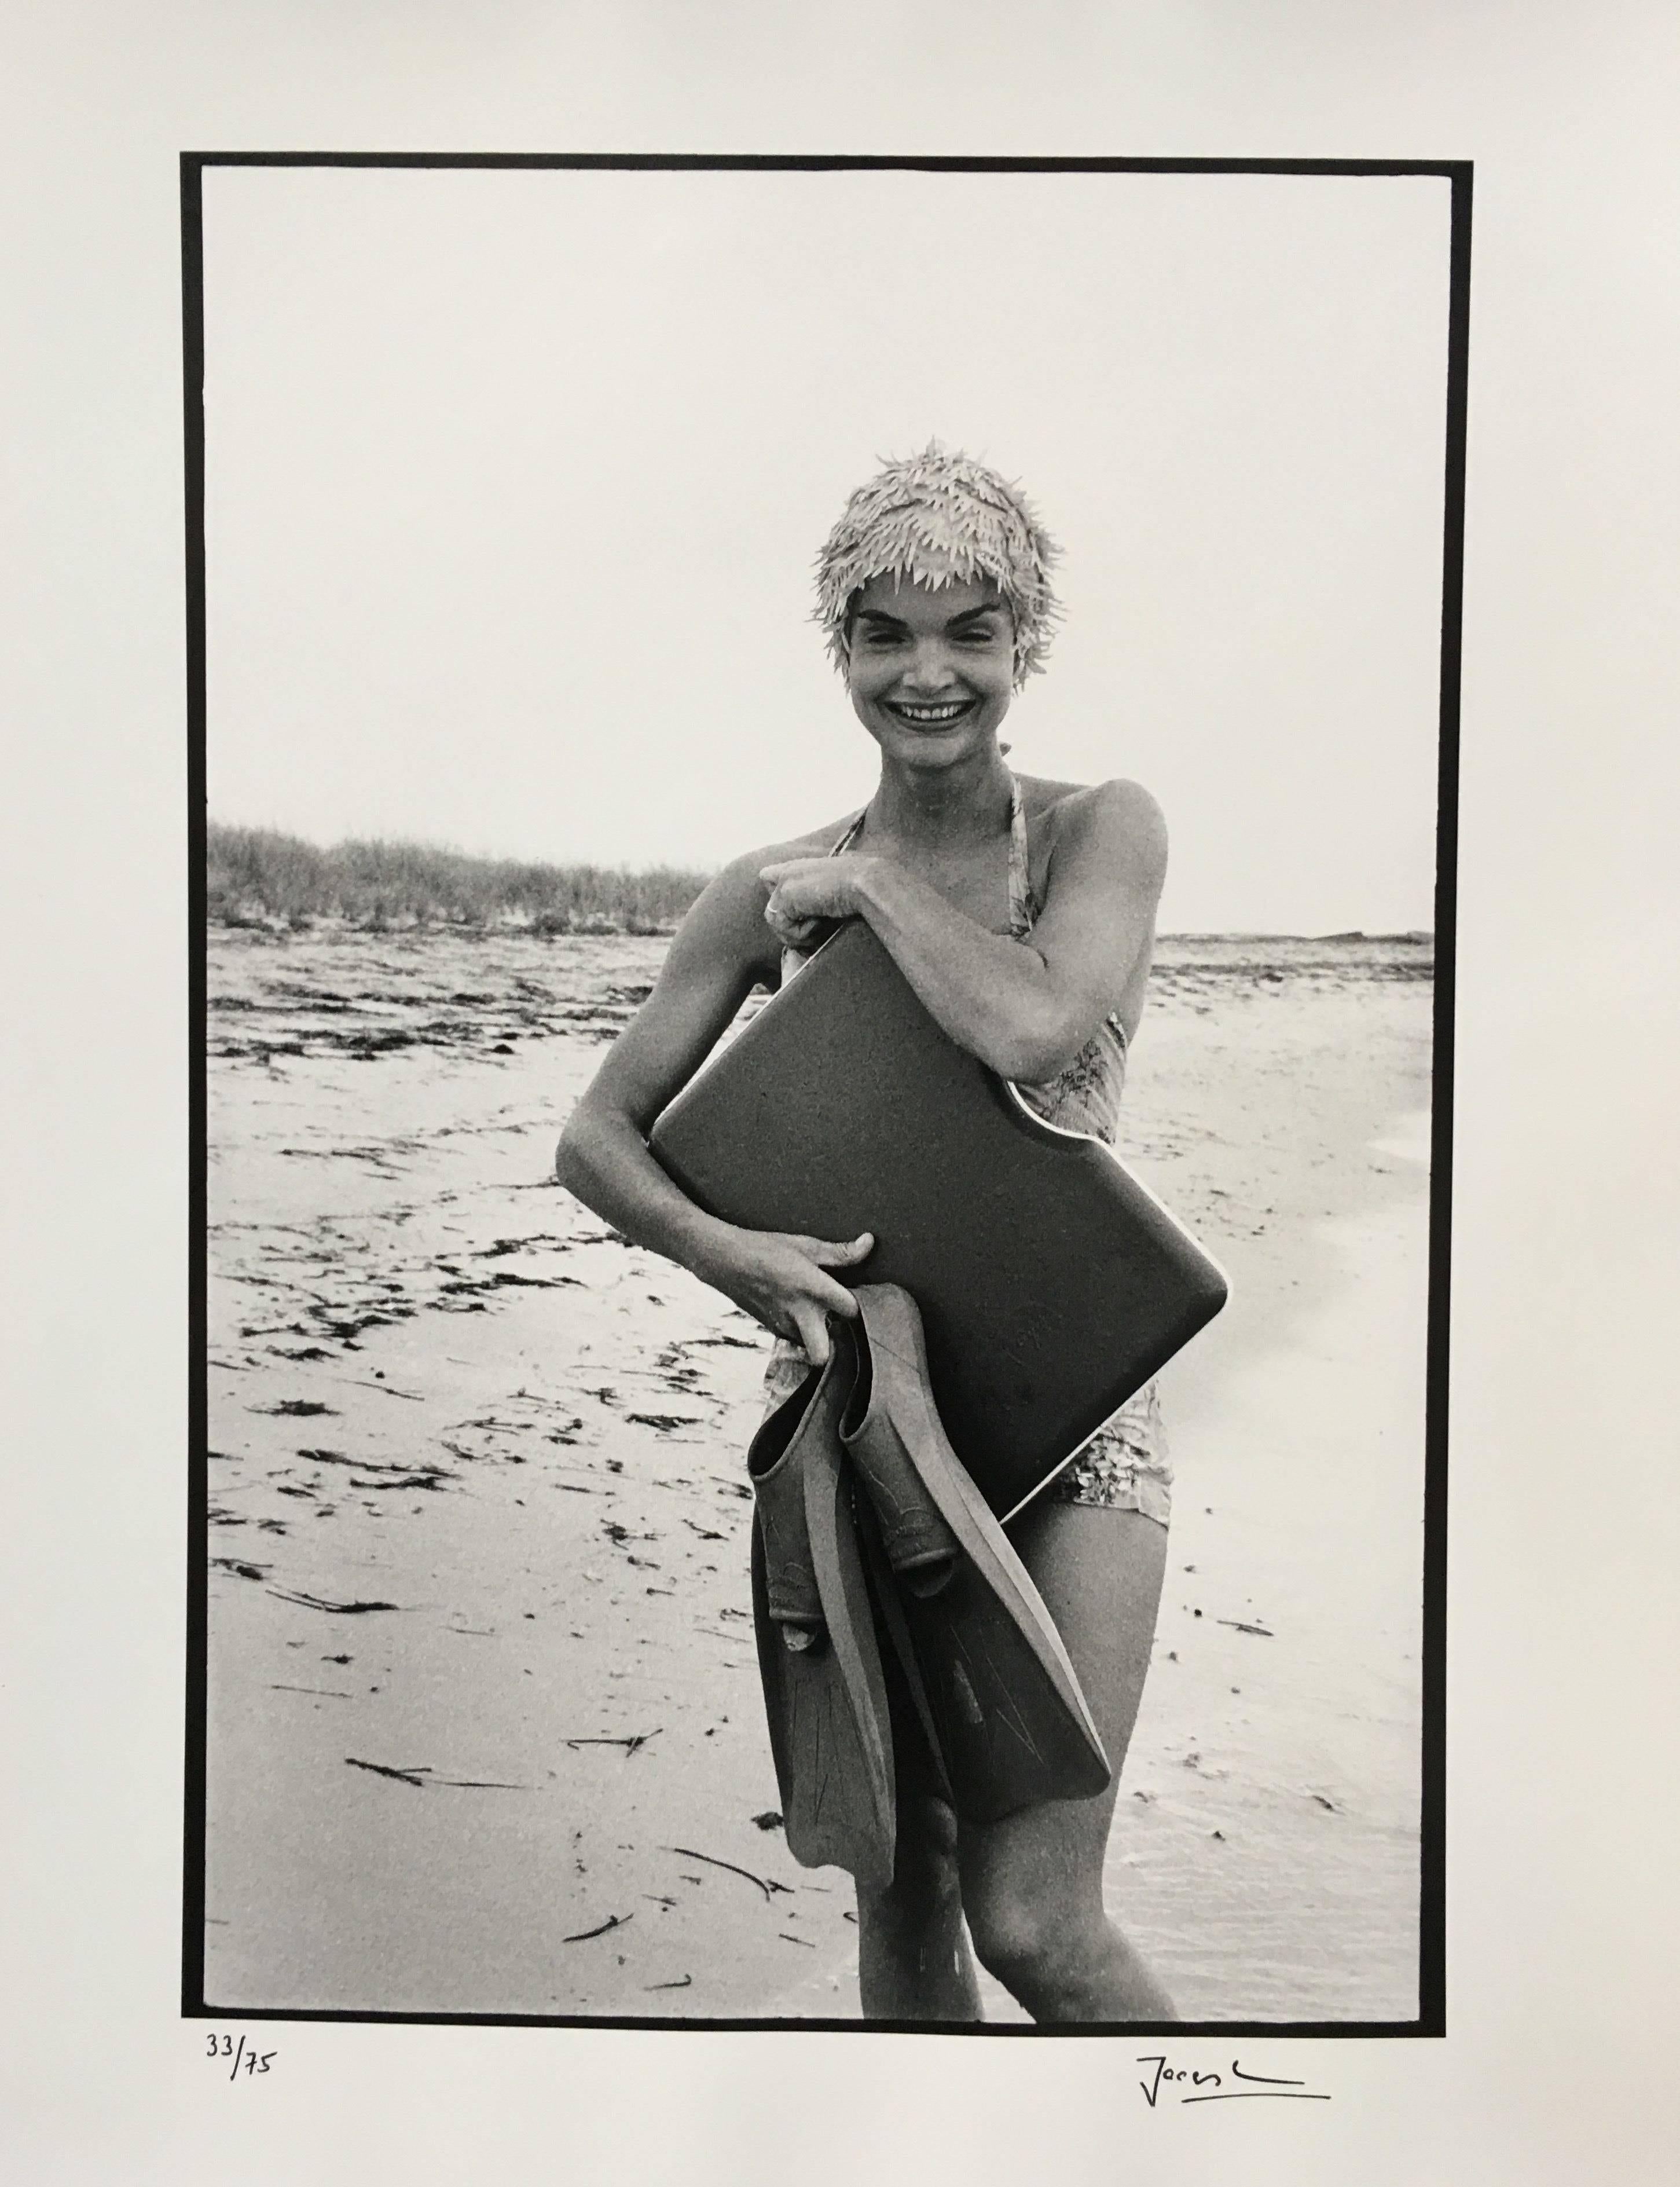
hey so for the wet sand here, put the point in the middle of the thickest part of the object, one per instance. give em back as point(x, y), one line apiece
point(484, 1732)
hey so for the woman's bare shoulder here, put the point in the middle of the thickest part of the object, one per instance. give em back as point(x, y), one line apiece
point(728, 919)
point(816, 843)
point(1119, 810)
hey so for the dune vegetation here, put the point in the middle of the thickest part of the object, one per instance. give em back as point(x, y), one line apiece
point(261, 877)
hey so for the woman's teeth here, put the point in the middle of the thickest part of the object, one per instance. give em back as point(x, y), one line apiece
point(932, 717)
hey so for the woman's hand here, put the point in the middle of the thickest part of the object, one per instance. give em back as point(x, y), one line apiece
point(1025, 1007)
point(782, 1280)
point(805, 892)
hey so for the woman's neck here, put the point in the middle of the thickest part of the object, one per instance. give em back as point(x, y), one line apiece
point(938, 809)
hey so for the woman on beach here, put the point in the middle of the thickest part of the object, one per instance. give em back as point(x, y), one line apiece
point(1022, 912)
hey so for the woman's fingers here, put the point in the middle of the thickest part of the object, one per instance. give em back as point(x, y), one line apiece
point(818, 874)
point(812, 1325)
point(795, 930)
point(792, 925)
point(826, 1295)
point(807, 889)
point(785, 1283)
point(832, 1253)
point(826, 1253)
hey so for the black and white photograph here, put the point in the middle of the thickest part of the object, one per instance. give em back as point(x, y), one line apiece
point(920, 1517)
point(840, 1068)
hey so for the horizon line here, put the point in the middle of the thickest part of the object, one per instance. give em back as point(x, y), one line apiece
point(561, 865)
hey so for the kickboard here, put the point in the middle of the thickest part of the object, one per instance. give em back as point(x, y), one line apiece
point(1052, 1284)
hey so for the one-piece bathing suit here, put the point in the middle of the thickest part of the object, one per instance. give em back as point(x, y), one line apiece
point(1124, 1467)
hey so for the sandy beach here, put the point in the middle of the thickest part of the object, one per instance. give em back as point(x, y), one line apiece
point(484, 1728)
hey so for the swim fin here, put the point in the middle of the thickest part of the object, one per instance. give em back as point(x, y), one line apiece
point(919, 1767)
point(1012, 1725)
point(825, 1694)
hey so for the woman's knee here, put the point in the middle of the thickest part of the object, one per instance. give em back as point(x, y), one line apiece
point(1011, 1931)
point(1021, 1935)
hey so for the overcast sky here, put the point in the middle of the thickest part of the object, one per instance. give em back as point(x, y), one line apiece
point(515, 482)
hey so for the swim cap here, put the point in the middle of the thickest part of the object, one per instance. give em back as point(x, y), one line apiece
point(937, 519)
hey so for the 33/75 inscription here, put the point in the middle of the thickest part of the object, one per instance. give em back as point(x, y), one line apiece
point(241, 2056)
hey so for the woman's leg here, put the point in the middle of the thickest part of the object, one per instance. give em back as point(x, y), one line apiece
point(914, 1962)
point(1032, 1885)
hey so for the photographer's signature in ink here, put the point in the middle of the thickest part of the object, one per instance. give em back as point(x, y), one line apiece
point(1189, 2085)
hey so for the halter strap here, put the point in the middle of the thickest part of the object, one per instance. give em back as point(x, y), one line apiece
point(1023, 904)
point(854, 829)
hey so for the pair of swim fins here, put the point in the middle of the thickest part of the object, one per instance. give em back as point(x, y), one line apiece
point(867, 1523)
point(825, 1694)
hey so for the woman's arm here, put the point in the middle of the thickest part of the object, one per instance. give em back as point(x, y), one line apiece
point(1026, 1010)
point(719, 954)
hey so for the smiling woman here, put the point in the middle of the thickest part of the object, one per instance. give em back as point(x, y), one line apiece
point(955, 646)
point(1022, 913)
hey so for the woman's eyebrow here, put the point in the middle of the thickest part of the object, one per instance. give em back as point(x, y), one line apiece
point(968, 614)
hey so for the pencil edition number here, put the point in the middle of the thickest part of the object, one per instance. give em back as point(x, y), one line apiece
point(240, 2056)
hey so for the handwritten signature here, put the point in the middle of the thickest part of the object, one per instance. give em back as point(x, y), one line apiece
point(1191, 2086)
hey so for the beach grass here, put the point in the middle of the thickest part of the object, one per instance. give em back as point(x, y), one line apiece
point(262, 877)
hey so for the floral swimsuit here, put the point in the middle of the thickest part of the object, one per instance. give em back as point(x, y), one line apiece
point(1124, 1466)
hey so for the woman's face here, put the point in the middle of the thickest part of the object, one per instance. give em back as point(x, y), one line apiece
point(930, 671)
